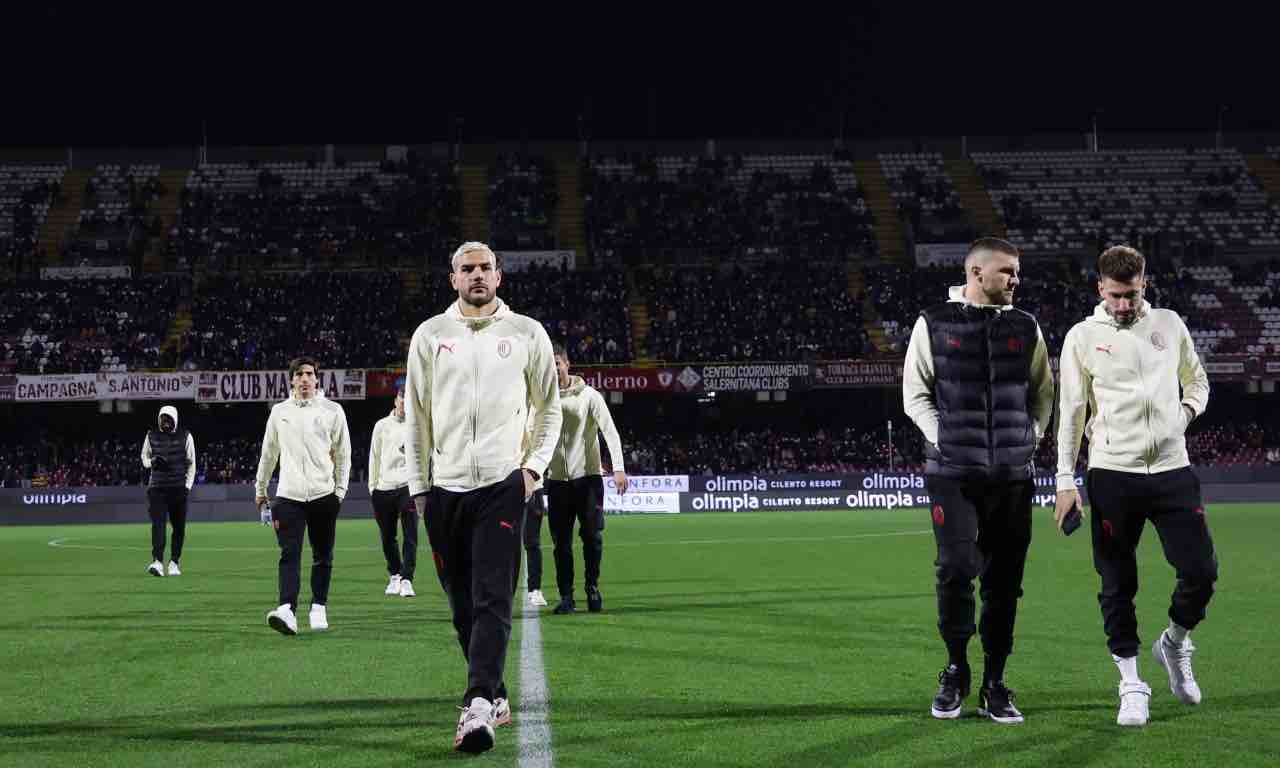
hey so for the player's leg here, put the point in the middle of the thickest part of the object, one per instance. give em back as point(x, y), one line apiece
point(156, 509)
point(590, 513)
point(959, 561)
point(1179, 517)
point(178, 519)
point(1117, 516)
point(290, 522)
point(385, 515)
point(1004, 536)
point(409, 557)
point(533, 514)
point(449, 535)
point(322, 527)
point(560, 517)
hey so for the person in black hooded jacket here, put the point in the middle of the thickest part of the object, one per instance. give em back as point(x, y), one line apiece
point(170, 454)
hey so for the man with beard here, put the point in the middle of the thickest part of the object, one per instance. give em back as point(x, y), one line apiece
point(476, 374)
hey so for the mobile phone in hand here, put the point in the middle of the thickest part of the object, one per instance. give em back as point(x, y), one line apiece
point(1072, 520)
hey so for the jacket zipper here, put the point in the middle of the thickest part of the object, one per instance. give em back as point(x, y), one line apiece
point(1146, 409)
point(475, 407)
point(991, 374)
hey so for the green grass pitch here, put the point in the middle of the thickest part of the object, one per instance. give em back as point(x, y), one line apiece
point(727, 640)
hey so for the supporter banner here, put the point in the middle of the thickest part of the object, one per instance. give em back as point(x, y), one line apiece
point(622, 379)
point(270, 386)
point(940, 254)
point(850, 374)
point(8, 387)
point(650, 484)
point(518, 261)
point(666, 503)
point(754, 377)
point(383, 383)
point(84, 273)
point(105, 386)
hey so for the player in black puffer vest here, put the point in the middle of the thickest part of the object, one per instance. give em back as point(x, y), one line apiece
point(977, 383)
point(170, 454)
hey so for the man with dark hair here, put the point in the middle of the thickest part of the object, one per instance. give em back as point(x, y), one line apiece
point(574, 486)
point(308, 435)
point(1126, 364)
point(170, 454)
point(389, 491)
point(476, 374)
point(978, 385)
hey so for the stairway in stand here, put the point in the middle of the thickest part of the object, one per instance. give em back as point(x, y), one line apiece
point(888, 227)
point(974, 197)
point(63, 219)
point(570, 210)
point(474, 180)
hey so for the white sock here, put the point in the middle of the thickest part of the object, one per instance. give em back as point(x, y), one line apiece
point(1128, 669)
point(1177, 634)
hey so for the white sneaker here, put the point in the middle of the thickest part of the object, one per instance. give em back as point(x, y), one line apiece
point(406, 588)
point(536, 599)
point(173, 568)
point(475, 727)
point(319, 618)
point(501, 712)
point(393, 586)
point(283, 621)
point(1135, 704)
point(1176, 661)
point(156, 568)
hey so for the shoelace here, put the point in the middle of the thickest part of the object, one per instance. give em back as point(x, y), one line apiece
point(1183, 657)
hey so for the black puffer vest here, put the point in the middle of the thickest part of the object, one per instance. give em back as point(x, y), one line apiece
point(982, 371)
point(173, 447)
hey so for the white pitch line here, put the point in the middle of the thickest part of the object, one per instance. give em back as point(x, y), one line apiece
point(534, 714)
point(60, 544)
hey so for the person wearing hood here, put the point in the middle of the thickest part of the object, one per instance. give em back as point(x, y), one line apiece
point(574, 486)
point(475, 375)
point(977, 383)
point(389, 490)
point(308, 435)
point(170, 454)
point(1125, 365)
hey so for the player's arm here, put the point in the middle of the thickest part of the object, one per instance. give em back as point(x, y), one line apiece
point(191, 460)
point(418, 442)
point(341, 438)
point(1074, 386)
point(267, 461)
point(1192, 376)
point(544, 402)
point(1041, 387)
point(604, 420)
point(917, 382)
point(375, 456)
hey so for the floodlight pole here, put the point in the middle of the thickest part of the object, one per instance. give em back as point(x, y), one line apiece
point(890, 445)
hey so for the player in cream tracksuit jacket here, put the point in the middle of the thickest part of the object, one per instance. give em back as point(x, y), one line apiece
point(389, 491)
point(1136, 370)
point(574, 488)
point(308, 435)
point(475, 375)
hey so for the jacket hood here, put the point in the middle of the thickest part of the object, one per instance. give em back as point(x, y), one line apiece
point(1101, 315)
point(955, 294)
point(169, 411)
point(576, 385)
point(455, 312)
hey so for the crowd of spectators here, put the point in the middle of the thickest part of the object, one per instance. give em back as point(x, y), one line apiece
point(252, 321)
point(586, 310)
point(522, 203)
point(309, 214)
point(722, 202)
point(732, 313)
point(75, 326)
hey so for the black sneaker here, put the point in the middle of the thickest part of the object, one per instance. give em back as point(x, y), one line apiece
point(595, 602)
point(566, 606)
point(953, 686)
point(996, 702)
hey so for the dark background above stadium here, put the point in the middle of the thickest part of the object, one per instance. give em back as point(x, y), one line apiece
point(107, 75)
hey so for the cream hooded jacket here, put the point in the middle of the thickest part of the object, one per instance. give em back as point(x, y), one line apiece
point(1129, 378)
point(471, 384)
point(578, 449)
point(311, 441)
point(388, 470)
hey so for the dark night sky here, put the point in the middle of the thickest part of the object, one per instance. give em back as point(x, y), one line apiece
point(371, 74)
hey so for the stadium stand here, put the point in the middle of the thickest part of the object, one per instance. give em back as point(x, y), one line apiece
point(298, 213)
point(522, 204)
point(742, 200)
point(26, 192)
point(84, 326)
point(1073, 201)
point(927, 197)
